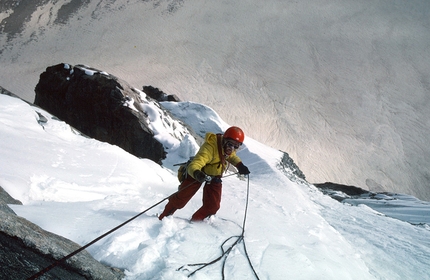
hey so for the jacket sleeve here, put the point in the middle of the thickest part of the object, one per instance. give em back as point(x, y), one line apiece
point(234, 159)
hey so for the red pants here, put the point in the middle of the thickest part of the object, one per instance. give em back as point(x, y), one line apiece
point(188, 188)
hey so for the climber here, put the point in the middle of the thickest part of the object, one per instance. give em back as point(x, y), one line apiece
point(207, 166)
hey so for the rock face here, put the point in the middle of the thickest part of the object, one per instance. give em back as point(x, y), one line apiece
point(100, 106)
point(25, 249)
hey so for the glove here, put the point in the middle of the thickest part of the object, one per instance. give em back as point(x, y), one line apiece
point(200, 176)
point(243, 170)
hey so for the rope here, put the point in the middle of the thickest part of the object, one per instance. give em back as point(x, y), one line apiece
point(58, 262)
point(226, 252)
point(243, 231)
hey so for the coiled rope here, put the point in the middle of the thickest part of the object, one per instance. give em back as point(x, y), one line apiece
point(224, 254)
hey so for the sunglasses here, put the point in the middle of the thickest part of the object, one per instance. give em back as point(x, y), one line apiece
point(233, 145)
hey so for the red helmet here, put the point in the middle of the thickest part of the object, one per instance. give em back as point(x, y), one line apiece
point(235, 133)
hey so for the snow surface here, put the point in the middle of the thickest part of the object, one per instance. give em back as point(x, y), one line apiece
point(341, 85)
point(81, 188)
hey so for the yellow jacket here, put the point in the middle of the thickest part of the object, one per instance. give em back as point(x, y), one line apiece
point(208, 160)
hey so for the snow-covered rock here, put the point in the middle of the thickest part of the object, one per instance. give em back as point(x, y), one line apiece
point(104, 107)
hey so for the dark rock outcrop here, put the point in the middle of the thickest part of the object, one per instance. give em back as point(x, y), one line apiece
point(100, 106)
point(290, 168)
point(339, 191)
point(159, 95)
point(26, 249)
point(349, 190)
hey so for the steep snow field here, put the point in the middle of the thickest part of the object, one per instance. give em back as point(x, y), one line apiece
point(341, 85)
point(80, 188)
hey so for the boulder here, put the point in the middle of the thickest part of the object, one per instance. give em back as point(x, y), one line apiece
point(101, 106)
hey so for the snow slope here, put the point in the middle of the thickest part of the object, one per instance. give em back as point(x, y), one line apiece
point(341, 85)
point(80, 188)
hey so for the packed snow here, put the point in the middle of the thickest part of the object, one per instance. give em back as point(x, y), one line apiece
point(341, 85)
point(81, 188)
